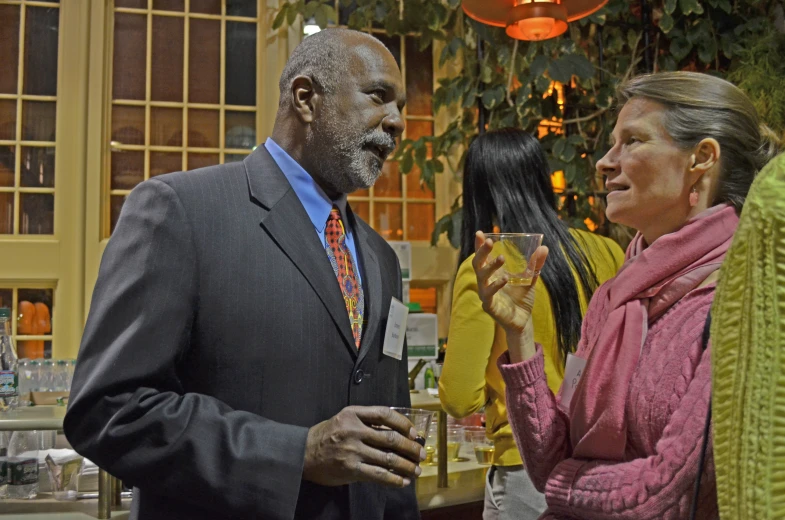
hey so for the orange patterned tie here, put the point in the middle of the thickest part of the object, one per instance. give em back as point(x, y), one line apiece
point(344, 268)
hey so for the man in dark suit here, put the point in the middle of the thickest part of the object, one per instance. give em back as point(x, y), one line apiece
point(232, 364)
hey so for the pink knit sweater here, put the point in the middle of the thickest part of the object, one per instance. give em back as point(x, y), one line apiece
point(666, 410)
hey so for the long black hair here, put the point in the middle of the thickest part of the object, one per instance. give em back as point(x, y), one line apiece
point(507, 181)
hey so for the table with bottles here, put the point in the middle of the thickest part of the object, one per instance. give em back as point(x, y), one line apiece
point(38, 418)
point(452, 480)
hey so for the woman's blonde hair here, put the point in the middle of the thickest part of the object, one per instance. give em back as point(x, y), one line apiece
point(699, 106)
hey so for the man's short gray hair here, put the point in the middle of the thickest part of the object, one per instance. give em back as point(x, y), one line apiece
point(324, 57)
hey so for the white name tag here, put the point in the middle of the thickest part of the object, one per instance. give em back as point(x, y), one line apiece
point(395, 332)
point(572, 376)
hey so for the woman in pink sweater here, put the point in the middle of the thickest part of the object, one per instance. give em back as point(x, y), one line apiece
point(622, 439)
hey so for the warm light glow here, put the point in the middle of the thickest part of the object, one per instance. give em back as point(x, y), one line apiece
point(590, 224)
point(536, 28)
point(310, 27)
point(558, 181)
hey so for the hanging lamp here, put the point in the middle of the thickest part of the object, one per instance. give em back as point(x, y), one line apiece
point(531, 19)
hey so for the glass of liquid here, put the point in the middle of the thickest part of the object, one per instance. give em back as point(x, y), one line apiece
point(517, 249)
point(482, 445)
point(420, 419)
point(455, 439)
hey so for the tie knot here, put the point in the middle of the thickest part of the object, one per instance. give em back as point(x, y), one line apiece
point(335, 214)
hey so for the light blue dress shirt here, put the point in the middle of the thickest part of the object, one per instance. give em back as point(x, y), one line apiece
point(316, 203)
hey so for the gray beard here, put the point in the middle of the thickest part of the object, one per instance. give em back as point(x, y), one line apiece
point(344, 164)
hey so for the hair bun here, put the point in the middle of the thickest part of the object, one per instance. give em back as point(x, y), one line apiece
point(771, 144)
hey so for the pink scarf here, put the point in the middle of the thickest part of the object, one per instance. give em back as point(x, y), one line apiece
point(651, 280)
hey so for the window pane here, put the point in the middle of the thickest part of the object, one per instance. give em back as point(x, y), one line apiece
point(138, 4)
point(6, 298)
point(165, 162)
point(419, 78)
point(393, 43)
point(9, 48)
point(240, 63)
point(206, 6)
point(389, 183)
point(167, 56)
point(38, 120)
point(388, 220)
point(416, 129)
point(37, 214)
point(204, 60)
point(41, 29)
point(201, 160)
point(6, 213)
point(240, 130)
point(361, 193)
point(169, 5)
point(203, 128)
point(362, 210)
point(415, 187)
point(7, 118)
point(241, 8)
point(345, 10)
point(236, 157)
point(38, 167)
point(127, 169)
point(36, 312)
point(115, 205)
point(166, 126)
point(7, 165)
point(127, 124)
point(420, 220)
point(130, 40)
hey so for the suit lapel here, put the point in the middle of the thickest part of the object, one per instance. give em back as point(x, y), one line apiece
point(289, 226)
point(372, 286)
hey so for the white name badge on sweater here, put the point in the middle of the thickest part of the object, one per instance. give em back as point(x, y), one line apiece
point(395, 333)
point(572, 376)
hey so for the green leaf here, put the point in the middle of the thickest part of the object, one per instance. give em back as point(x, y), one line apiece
point(558, 147)
point(568, 154)
point(580, 65)
point(281, 16)
point(707, 51)
point(453, 4)
point(576, 140)
point(487, 74)
point(324, 15)
point(559, 70)
point(457, 227)
point(600, 17)
point(443, 225)
point(670, 6)
point(291, 15)
point(542, 84)
point(725, 6)
point(680, 48)
point(407, 163)
point(666, 23)
point(690, 6)
point(538, 66)
point(605, 97)
point(310, 9)
point(571, 172)
point(492, 97)
point(420, 153)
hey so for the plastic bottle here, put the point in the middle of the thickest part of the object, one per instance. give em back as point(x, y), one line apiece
point(9, 365)
point(23, 465)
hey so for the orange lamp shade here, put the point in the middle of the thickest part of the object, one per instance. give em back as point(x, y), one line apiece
point(534, 21)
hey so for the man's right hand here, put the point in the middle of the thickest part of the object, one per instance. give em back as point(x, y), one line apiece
point(349, 448)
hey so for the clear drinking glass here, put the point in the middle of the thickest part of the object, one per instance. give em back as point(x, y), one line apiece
point(421, 419)
point(482, 445)
point(517, 249)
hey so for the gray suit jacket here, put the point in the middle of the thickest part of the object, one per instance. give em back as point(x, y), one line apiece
point(217, 336)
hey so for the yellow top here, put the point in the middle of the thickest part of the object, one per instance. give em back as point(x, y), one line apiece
point(748, 358)
point(470, 377)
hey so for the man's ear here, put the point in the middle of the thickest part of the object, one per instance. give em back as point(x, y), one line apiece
point(705, 157)
point(305, 99)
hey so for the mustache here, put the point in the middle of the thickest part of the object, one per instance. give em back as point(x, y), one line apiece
point(381, 140)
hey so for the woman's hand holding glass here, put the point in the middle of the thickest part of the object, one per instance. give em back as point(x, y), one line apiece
point(510, 306)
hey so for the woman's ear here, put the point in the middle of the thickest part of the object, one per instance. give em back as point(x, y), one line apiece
point(305, 99)
point(705, 157)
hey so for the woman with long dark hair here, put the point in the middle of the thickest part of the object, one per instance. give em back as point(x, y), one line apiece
point(507, 184)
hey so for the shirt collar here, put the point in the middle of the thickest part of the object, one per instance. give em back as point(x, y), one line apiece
point(315, 201)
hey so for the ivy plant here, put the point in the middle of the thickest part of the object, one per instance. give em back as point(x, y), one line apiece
point(513, 81)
